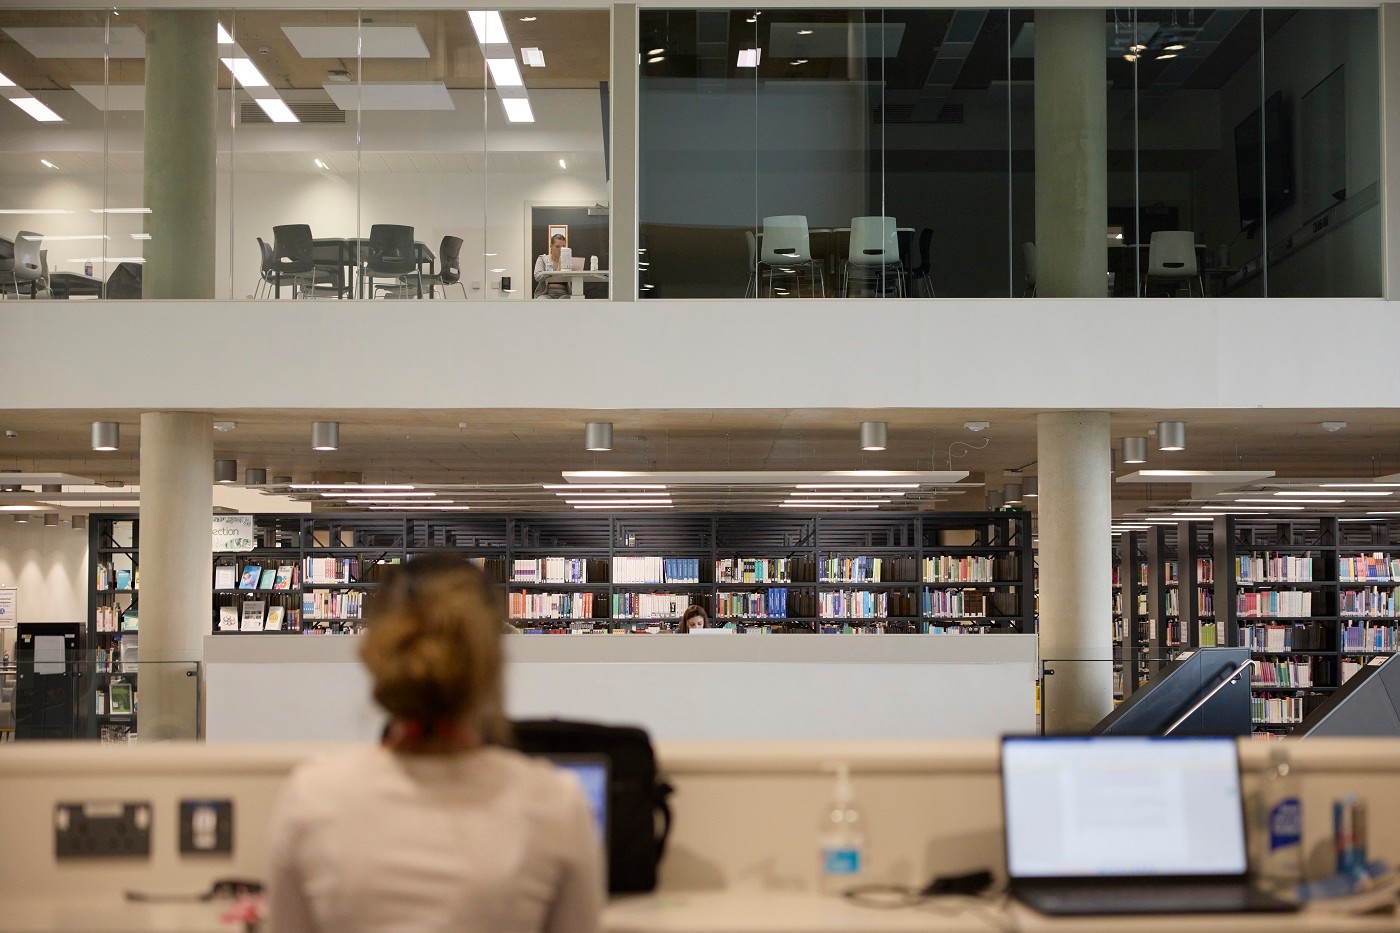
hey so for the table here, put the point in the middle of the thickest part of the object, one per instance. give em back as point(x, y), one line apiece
point(347, 254)
point(575, 278)
point(68, 284)
point(1125, 284)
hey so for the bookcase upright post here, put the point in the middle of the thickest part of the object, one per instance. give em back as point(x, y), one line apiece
point(1226, 588)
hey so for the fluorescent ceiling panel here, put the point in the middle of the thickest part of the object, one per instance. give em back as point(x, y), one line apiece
point(277, 110)
point(114, 96)
point(416, 95)
point(36, 109)
point(518, 110)
point(1204, 477)
point(505, 72)
point(369, 41)
point(532, 57)
point(245, 72)
point(765, 477)
point(488, 26)
point(80, 41)
point(834, 40)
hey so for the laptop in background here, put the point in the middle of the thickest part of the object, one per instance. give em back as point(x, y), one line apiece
point(593, 773)
point(1127, 825)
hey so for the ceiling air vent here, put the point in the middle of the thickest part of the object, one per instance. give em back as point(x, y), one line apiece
point(307, 111)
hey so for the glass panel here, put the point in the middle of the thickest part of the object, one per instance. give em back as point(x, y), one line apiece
point(61, 128)
point(291, 146)
point(547, 204)
point(1320, 137)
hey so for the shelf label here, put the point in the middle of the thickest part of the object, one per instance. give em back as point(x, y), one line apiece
point(9, 602)
point(233, 532)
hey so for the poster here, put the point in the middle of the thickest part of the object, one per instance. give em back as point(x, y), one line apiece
point(233, 533)
point(9, 603)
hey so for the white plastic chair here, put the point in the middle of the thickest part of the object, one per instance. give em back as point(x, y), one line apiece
point(1171, 258)
point(751, 289)
point(873, 254)
point(787, 251)
point(1028, 255)
point(28, 269)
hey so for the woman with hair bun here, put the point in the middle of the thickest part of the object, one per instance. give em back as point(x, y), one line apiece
point(439, 827)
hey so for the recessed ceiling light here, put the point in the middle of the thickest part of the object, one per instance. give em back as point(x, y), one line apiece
point(350, 485)
point(1174, 47)
point(410, 494)
point(749, 58)
point(36, 109)
point(1166, 55)
point(589, 486)
point(656, 58)
point(518, 110)
point(245, 72)
point(561, 164)
point(488, 26)
point(1130, 57)
point(47, 163)
point(320, 164)
point(277, 110)
point(505, 72)
point(223, 35)
point(1297, 501)
point(656, 51)
point(800, 61)
point(804, 32)
point(119, 210)
point(1349, 493)
point(6, 82)
point(528, 19)
point(532, 57)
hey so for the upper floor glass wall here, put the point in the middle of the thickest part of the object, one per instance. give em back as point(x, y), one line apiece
point(793, 153)
point(454, 136)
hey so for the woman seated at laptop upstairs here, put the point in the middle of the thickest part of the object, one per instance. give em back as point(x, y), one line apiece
point(547, 263)
point(437, 828)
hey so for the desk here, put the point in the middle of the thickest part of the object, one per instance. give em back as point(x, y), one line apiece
point(110, 915)
point(69, 284)
point(778, 912)
point(346, 255)
point(575, 278)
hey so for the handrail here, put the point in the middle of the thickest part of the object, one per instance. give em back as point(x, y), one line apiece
point(1233, 675)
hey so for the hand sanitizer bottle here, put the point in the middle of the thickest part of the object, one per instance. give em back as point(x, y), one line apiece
point(841, 838)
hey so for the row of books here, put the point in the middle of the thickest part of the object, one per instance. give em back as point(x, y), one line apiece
point(1272, 709)
point(1205, 602)
point(120, 659)
point(255, 615)
point(123, 701)
point(1208, 635)
point(1293, 604)
point(1371, 601)
point(953, 603)
point(655, 570)
point(257, 577)
point(947, 569)
point(649, 605)
point(110, 578)
point(551, 605)
point(332, 604)
point(768, 604)
point(1273, 568)
point(1285, 637)
point(113, 619)
point(756, 569)
point(332, 570)
point(1205, 570)
point(853, 604)
point(1283, 673)
point(1368, 637)
point(852, 569)
point(549, 570)
point(1368, 567)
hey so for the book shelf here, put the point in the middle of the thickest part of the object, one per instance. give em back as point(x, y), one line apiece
point(565, 572)
point(110, 653)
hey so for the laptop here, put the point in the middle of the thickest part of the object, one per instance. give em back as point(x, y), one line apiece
point(1127, 825)
point(592, 772)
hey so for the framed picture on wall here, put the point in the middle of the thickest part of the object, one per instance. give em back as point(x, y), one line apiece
point(560, 229)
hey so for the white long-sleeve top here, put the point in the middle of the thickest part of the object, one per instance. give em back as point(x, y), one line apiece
point(488, 841)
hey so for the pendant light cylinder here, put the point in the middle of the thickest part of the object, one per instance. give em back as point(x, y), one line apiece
point(1134, 450)
point(1011, 493)
point(225, 471)
point(106, 435)
point(254, 476)
point(994, 499)
point(51, 520)
point(874, 435)
point(325, 435)
point(598, 436)
point(1171, 435)
point(1030, 487)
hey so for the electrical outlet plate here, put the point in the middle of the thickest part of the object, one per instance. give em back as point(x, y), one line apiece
point(102, 829)
point(206, 827)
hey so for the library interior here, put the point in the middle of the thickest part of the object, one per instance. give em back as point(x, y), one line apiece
point(983, 588)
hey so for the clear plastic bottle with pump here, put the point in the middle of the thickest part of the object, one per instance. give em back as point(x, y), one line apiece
point(841, 838)
point(1279, 825)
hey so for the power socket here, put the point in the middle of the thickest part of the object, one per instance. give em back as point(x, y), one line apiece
point(102, 829)
point(206, 827)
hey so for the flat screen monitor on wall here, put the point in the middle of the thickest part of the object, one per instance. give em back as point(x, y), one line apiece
point(1264, 161)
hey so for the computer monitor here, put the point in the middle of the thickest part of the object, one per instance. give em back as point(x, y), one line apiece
point(592, 772)
point(1110, 806)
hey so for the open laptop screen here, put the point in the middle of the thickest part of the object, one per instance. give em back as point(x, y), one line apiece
point(1122, 807)
point(592, 774)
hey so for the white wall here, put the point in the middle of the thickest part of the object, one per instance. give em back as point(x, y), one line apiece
point(49, 567)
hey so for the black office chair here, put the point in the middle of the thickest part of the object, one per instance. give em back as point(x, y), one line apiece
point(450, 272)
point(267, 272)
point(923, 284)
point(294, 259)
point(392, 255)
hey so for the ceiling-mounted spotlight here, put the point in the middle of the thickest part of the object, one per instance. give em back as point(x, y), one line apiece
point(79, 522)
point(1134, 450)
point(106, 435)
point(1011, 493)
point(1171, 435)
point(254, 476)
point(51, 520)
point(874, 435)
point(598, 435)
point(225, 471)
point(1030, 487)
point(325, 435)
point(993, 499)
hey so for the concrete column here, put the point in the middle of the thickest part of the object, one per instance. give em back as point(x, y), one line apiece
point(1071, 154)
point(1076, 567)
point(181, 103)
point(177, 500)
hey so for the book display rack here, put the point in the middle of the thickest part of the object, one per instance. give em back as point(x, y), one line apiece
point(113, 625)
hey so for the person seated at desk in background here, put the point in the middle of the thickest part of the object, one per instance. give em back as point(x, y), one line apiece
point(693, 618)
point(547, 263)
point(436, 828)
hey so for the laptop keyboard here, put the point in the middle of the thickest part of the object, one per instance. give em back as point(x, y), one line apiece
point(1143, 899)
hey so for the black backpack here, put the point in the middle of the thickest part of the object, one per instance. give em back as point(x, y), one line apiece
point(636, 793)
